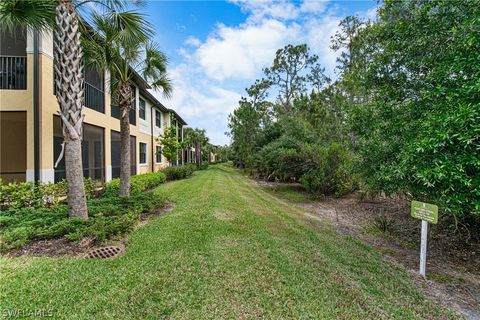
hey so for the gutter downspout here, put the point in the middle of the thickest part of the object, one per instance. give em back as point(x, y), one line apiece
point(36, 108)
point(151, 137)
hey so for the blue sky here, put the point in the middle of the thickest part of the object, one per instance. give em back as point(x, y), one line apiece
point(218, 48)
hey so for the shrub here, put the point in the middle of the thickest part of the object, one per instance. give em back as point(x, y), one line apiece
point(40, 194)
point(138, 183)
point(203, 166)
point(177, 173)
point(327, 169)
point(108, 216)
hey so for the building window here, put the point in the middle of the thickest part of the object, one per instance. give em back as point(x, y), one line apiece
point(143, 153)
point(158, 154)
point(142, 109)
point(13, 59)
point(158, 118)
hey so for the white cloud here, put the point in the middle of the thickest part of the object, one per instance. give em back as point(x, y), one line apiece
point(260, 9)
point(240, 53)
point(213, 74)
point(192, 41)
point(314, 6)
point(201, 103)
point(318, 34)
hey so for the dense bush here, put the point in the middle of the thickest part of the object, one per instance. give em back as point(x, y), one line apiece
point(281, 158)
point(178, 172)
point(203, 166)
point(404, 105)
point(108, 216)
point(327, 170)
point(417, 128)
point(40, 194)
point(138, 183)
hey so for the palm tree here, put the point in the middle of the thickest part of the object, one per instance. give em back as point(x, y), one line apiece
point(196, 137)
point(61, 16)
point(122, 45)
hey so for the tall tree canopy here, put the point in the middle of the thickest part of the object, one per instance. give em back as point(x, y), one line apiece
point(403, 115)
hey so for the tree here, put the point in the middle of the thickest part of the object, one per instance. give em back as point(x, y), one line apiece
point(197, 138)
point(170, 143)
point(61, 16)
point(286, 73)
point(122, 45)
point(418, 130)
point(318, 78)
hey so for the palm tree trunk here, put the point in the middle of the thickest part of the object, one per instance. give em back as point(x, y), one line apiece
point(125, 101)
point(197, 153)
point(69, 83)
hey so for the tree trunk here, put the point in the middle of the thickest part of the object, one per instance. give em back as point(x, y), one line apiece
point(69, 82)
point(125, 101)
point(74, 172)
point(197, 153)
point(200, 154)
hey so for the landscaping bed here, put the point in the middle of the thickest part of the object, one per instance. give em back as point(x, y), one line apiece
point(48, 223)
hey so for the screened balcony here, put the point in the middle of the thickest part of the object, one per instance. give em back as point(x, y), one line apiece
point(13, 60)
point(94, 89)
point(132, 115)
point(94, 86)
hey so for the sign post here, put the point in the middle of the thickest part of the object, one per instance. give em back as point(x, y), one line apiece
point(427, 213)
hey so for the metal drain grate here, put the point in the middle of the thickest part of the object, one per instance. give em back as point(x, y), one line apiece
point(103, 253)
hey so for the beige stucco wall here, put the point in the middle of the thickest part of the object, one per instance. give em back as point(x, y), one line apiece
point(22, 100)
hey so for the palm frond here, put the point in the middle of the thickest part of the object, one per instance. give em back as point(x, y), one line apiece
point(155, 69)
point(36, 14)
point(165, 84)
point(132, 29)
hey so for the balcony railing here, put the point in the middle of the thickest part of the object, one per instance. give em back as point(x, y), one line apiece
point(94, 98)
point(13, 73)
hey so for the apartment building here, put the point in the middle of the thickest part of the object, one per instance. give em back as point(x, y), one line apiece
point(30, 128)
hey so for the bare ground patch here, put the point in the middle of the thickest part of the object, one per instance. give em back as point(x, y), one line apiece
point(453, 277)
point(63, 247)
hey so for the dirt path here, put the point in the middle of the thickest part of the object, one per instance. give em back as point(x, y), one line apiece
point(452, 280)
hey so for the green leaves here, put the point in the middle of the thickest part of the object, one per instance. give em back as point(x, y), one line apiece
point(121, 43)
point(27, 13)
point(405, 109)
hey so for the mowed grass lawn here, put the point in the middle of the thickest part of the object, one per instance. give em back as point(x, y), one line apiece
point(228, 250)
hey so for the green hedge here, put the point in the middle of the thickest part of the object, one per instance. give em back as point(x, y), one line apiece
point(108, 216)
point(40, 194)
point(203, 166)
point(138, 183)
point(177, 173)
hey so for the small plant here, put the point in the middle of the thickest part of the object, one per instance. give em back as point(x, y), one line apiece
point(383, 223)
